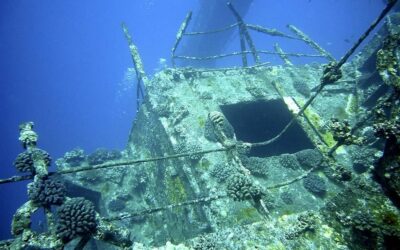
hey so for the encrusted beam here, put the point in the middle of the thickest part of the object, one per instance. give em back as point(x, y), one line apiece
point(137, 61)
point(244, 32)
point(271, 32)
point(179, 35)
point(243, 48)
point(211, 31)
point(282, 54)
point(162, 208)
point(310, 42)
point(138, 65)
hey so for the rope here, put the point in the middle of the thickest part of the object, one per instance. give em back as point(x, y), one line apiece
point(114, 164)
point(158, 209)
point(298, 178)
point(16, 179)
point(144, 212)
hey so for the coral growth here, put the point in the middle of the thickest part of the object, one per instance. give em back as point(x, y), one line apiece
point(387, 63)
point(47, 191)
point(257, 166)
point(308, 158)
point(24, 161)
point(289, 161)
point(315, 184)
point(240, 188)
point(189, 148)
point(205, 243)
point(103, 155)
point(379, 229)
point(387, 128)
point(75, 157)
point(27, 136)
point(222, 172)
point(363, 158)
point(76, 217)
point(305, 222)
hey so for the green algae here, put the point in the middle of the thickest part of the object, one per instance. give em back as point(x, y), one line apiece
point(176, 192)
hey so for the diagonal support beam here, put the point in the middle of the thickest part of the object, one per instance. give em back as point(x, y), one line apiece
point(310, 42)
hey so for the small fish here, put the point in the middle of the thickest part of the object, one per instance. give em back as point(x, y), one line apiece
point(346, 40)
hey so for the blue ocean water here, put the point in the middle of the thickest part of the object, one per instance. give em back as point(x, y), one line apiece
point(62, 65)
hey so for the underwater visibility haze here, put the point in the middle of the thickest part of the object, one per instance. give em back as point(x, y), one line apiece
point(179, 124)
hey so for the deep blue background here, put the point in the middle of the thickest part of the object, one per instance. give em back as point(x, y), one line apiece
point(62, 62)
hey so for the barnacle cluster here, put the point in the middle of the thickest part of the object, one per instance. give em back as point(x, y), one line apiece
point(388, 128)
point(338, 172)
point(342, 132)
point(386, 62)
point(331, 73)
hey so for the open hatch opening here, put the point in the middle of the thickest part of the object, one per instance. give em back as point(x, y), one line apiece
point(261, 120)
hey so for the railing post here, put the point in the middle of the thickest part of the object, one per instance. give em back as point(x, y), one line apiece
point(179, 35)
point(243, 30)
point(243, 48)
point(138, 65)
